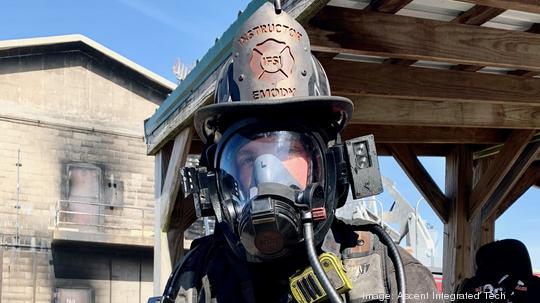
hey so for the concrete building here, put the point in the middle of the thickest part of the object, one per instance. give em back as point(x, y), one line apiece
point(76, 186)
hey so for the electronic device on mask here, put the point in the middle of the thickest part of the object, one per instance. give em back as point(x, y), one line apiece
point(306, 288)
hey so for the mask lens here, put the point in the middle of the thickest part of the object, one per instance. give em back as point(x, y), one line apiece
point(283, 157)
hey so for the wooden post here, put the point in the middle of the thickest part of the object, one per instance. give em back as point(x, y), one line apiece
point(481, 232)
point(161, 250)
point(167, 186)
point(171, 185)
point(456, 258)
point(1, 271)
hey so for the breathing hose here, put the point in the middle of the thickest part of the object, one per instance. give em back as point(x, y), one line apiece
point(393, 253)
point(314, 261)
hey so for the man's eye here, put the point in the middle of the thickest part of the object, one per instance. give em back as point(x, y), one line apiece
point(246, 161)
point(293, 152)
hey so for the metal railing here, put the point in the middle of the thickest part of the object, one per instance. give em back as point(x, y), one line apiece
point(110, 219)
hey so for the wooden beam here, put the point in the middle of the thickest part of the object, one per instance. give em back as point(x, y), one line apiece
point(477, 15)
point(466, 68)
point(343, 30)
point(184, 213)
point(515, 173)
point(421, 179)
point(474, 68)
point(1, 270)
point(175, 237)
point(535, 29)
point(393, 81)
point(421, 134)
point(171, 185)
point(402, 62)
point(495, 149)
point(493, 176)
point(387, 6)
point(432, 150)
point(182, 117)
point(303, 10)
point(527, 180)
point(392, 111)
point(523, 73)
point(530, 6)
point(457, 233)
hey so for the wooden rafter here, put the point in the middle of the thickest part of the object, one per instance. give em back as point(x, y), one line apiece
point(521, 164)
point(392, 111)
point(494, 175)
point(523, 73)
point(528, 179)
point(402, 62)
point(419, 134)
point(343, 30)
point(356, 78)
point(303, 10)
point(387, 6)
point(421, 179)
point(412, 135)
point(478, 15)
point(530, 6)
point(466, 67)
point(432, 150)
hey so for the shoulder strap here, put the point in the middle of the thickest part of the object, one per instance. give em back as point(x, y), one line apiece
point(189, 271)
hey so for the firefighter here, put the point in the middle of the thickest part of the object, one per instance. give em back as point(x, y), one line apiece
point(273, 171)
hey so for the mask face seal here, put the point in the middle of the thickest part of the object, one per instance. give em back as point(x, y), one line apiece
point(267, 178)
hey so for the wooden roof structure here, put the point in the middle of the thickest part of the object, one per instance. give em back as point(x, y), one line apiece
point(445, 78)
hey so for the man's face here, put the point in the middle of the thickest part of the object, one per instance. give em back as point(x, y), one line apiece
point(292, 154)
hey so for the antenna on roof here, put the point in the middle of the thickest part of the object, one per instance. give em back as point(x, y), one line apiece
point(181, 70)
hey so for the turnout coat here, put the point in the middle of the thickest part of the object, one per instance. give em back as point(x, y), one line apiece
point(210, 272)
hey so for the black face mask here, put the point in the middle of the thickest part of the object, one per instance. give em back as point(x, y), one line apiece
point(261, 177)
point(265, 181)
point(270, 224)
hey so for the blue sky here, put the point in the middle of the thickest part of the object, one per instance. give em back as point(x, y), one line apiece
point(520, 222)
point(150, 33)
point(155, 33)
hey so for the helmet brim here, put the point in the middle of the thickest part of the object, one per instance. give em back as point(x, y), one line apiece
point(328, 110)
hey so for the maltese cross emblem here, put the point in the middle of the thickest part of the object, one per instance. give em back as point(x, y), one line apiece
point(272, 61)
